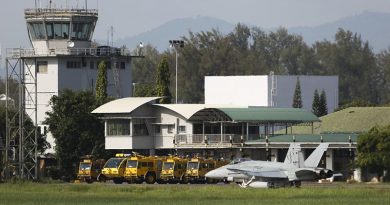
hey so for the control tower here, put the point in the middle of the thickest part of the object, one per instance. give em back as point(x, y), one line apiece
point(59, 30)
point(62, 57)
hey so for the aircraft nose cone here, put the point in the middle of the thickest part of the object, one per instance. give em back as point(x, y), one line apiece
point(212, 174)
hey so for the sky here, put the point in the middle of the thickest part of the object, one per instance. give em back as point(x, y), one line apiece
point(130, 17)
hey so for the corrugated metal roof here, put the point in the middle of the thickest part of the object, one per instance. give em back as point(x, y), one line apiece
point(268, 114)
point(334, 137)
point(188, 110)
point(124, 105)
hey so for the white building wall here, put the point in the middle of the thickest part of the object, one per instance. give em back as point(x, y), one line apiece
point(167, 118)
point(59, 77)
point(237, 90)
point(256, 90)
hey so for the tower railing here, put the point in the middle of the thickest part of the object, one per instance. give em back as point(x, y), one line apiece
point(98, 52)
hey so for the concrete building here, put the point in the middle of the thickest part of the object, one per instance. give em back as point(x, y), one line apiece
point(269, 90)
point(63, 57)
point(228, 131)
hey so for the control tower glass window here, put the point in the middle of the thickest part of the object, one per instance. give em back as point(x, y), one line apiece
point(57, 30)
point(81, 31)
point(37, 31)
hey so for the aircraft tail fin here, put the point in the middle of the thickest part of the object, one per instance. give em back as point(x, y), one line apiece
point(315, 157)
point(293, 153)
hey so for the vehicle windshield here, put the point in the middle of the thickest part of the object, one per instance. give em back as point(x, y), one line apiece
point(113, 163)
point(131, 164)
point(193, 165)
point(239, 160)
point(168, 166)
point(85, 166)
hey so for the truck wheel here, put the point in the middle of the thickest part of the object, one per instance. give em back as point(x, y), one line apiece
point(118, 180)
point(89, 181)
point(150, 178)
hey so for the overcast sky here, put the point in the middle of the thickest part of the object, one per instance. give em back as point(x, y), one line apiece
point(130, 17)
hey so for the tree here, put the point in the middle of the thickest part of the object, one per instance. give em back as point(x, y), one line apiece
point(323, 106)
point(101, 82)
point(144, 69)
point(144, 90)
point(76, 131)
point(163, 81)
point(316, 104)
point(374, 149)
point(297, 100)
point(353, 61)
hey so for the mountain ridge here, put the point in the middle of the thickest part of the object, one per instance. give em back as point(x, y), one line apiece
point(372, 26)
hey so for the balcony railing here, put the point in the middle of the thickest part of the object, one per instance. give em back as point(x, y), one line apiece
point(30, 52)
point(208, 139)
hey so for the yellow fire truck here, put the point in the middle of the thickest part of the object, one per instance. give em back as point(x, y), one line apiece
point(141, 169)
point(198, 167)
point(115, 168)
point(89, 169)
point(174, 169)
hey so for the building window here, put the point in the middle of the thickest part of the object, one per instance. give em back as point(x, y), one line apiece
point(171, 128)
point(92, 65)
point(73, 64)
point(118, 127)
point(139, 127)
point(57, 30)
point(157, 129)
point(42, 67)
point(123, 65)
point(182, 129)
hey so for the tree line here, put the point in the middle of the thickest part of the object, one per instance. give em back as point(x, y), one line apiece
point(363, 75)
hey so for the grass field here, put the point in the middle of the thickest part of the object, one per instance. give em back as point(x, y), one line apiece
point(107, 194)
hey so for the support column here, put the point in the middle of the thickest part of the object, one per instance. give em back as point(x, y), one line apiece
point(329, 159)
point(247, 131)
point(274, 155)
point(357, 175)
point(152, 152)
point(221, 132)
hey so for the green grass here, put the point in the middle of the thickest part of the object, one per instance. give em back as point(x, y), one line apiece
point(107, 194)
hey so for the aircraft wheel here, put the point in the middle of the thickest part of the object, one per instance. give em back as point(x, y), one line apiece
point(297, 184)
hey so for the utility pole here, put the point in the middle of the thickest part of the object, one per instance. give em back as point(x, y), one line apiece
point(174, 44)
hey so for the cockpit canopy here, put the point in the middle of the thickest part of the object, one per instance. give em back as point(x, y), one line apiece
point(239, 160)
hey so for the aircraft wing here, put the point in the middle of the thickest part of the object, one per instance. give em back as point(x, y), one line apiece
point(260, 172)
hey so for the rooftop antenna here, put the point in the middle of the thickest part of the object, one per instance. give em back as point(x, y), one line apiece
point(112, 36)
point(50, 2)
point(86, 4)
point(108, 37)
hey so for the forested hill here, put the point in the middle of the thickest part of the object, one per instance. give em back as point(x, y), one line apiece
point(372, 26)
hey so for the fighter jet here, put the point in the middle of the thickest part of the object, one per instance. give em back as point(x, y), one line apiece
point(266, 174)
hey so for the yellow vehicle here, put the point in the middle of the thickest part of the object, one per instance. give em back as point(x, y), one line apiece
point(89, 169)
point(174, 169)
point(141, 169)
point(115, 168)
point(198, 167)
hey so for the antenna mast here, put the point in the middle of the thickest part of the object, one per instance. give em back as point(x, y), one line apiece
point(112, 36)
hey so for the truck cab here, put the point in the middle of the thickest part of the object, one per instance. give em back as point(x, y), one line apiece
point(114, 169)
point(141, 169)
point(174, 169)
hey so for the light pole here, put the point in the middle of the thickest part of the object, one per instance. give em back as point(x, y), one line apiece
point(134, 84)
point(174, 44)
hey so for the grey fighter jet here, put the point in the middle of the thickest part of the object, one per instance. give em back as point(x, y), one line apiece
point(266, 174)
